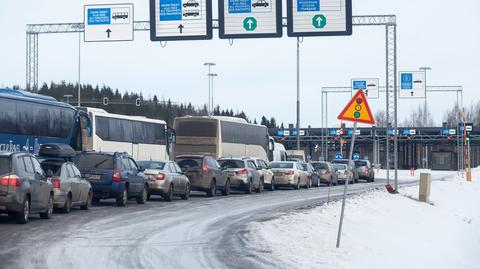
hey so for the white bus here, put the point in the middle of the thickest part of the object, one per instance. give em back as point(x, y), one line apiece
point(141, 137)
point(219, 136)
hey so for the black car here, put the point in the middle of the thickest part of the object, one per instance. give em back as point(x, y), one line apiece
point(113, 175)
point(313, 177)
point(24, 187)
point(260, 3)
point(191, 3)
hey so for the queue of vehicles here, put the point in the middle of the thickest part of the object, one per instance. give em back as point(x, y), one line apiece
point(58, 157)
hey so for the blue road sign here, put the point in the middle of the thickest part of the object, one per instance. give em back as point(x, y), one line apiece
point(309, 157)
point(445, 132)
point(332, 132)
point(293, 132)
point(349, 132)
point(239, 6)
point(356, 156)
point(308, 5)
point(359, 84)
point(338, 155)
point(99, 16)
point(280, 133)
point(171, 10)
point(406, 81)
point(365, 158)
point(406, 132)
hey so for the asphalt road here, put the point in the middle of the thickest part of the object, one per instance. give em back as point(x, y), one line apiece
point(199, 233)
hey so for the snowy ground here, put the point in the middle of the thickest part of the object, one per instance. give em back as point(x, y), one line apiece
point(382, 230)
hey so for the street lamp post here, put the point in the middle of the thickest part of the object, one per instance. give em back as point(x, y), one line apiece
point(425, 110)
point(209, 78)
point(212, 106)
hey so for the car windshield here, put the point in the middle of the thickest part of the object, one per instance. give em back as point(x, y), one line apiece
point(4, 165)
point(152, 165)
point(226, 164)
point(281, 165)
point(189, 163)
point(54, 167)
point(360, 163)
point(320, 166)
point(96, 161)
point(339, 166)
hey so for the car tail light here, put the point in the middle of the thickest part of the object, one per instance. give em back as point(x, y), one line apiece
point(243, 172)
point(290, 172)
point(56, 183)
point(204, 167)
point(117, 177)
point(160, 176)
point(11, 180)
point(366, 169)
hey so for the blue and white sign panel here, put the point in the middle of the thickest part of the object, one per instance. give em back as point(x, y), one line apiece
point(368, 85)
point(356, 156)
point(108, 22)
point(319, 17)
point(412, 84)
point(338, 155)
point(249, 18)
point(180, 20)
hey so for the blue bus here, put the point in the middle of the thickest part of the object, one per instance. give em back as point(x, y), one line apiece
point(28, 120)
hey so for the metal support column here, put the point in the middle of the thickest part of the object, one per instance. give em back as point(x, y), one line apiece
point(32, 61)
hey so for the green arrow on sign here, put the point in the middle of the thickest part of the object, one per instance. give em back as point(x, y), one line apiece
point(319, 21)
point(249, 23)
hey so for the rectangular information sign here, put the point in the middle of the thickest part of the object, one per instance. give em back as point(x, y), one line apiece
point(180, 20)
point(250, 18)
point(368, 85)
point(412, 84)
point(108, 22)
point(319, 17)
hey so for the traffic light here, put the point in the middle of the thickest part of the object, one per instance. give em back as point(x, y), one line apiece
point(138, 102)
point(105, 101)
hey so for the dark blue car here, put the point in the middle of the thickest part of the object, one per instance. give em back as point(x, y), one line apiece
point(113, 175)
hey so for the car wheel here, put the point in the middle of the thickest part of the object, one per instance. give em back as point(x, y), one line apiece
point(142, 199)
point(260, 186)
point(68, 204)
point(122, 199)
point(186, 195)
point(226, 190)
point(296, 187)
point(249, 187)
point(22, 217)
point(309, 184)
point(48, 213)
point(213, 189)
point(272, 185)
point(88, 202)
point(169, 195)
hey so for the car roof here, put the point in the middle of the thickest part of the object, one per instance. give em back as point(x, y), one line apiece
point(234, 159)
point(192, 156)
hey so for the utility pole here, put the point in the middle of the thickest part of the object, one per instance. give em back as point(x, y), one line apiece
point(209, 78)
point(298, 93)
point(212, 106)
point(425, 116)
point(79, 67)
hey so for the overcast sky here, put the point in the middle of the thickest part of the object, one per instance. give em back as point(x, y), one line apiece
point(257, 75)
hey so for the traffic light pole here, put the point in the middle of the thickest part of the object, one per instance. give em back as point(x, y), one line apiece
point(339, 235)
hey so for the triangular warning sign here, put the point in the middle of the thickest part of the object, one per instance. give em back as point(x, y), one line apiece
point(357, 110)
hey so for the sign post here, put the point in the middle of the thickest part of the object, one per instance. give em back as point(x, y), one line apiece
point(357, 110)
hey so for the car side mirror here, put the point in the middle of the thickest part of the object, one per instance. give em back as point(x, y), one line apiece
point(141, 168)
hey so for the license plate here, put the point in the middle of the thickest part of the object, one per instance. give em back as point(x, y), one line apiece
point(94, 177)
point(231, 173)
point(278, 173)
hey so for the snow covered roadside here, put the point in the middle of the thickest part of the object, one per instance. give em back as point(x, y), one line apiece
point(381, 231)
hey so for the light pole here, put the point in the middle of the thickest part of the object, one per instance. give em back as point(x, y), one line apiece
point(212, 76)
point(425, 110)
point(298, 93)
point(68, 96)
point(209, 77)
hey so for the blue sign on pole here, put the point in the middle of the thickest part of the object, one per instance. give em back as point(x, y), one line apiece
point(308, 5)
point(338, 155)
point(309, 157)
point(445, 132)
point(332, 132)
point(349, 132)
point(99, 16)
point(406, 81)
point(406, 132)
point(280, 133)
point(171, 10)
point(239, 6)
point(359, 84)
point(356, 156)
point(365, 158)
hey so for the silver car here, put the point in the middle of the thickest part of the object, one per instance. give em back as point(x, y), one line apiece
point(343, 173)
point(265, 173)
point(290, 174)
point(165, 178)
point(242, 174)
point(70, 189)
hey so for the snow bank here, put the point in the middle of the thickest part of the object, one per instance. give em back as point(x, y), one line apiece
point(381, 231)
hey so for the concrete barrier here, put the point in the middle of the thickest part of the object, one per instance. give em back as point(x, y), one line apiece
point(424, 190)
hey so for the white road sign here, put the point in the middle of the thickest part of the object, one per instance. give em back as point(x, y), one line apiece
point(319, 17)
point(180, 20)
point(250, 18)
point(368, 85)
point(412, 84)
point(108, 22)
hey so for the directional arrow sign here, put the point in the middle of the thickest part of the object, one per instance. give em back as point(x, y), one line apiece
point(319, 21)
point(357, 110)
point(180, 27)
point(249, 23)
point(108, 32)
